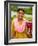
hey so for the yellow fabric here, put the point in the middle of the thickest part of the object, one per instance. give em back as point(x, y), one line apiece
point(21, 35)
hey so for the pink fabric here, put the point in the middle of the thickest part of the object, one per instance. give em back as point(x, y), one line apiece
point(19, 28)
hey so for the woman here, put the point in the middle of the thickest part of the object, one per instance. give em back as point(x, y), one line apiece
point(18, 26)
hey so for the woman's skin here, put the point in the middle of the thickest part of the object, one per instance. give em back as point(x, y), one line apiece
point(16, 34)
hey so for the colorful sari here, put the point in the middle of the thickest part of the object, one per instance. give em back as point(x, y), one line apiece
point(18, 30)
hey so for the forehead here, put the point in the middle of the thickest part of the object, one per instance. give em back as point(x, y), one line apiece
point(20, 11)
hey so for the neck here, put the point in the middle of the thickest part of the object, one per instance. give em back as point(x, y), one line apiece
point(20, 19)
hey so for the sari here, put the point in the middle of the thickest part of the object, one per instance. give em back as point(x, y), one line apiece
point(18, 30)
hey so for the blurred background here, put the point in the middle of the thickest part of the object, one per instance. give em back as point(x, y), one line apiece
point(27, 9)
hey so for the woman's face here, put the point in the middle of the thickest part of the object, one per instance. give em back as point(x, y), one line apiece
point(20, 14)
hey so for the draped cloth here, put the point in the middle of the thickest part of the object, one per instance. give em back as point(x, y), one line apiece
point(18, 27)
point(19, 31)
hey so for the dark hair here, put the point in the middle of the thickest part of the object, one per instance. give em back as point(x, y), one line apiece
point(20, 9)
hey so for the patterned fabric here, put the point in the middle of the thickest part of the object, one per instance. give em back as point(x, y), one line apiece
point(29, 26)
point(18, 27)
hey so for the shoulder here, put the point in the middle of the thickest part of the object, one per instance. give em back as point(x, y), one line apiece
point(25, 20)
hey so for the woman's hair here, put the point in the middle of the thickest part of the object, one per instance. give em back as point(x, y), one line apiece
point(20, 9)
